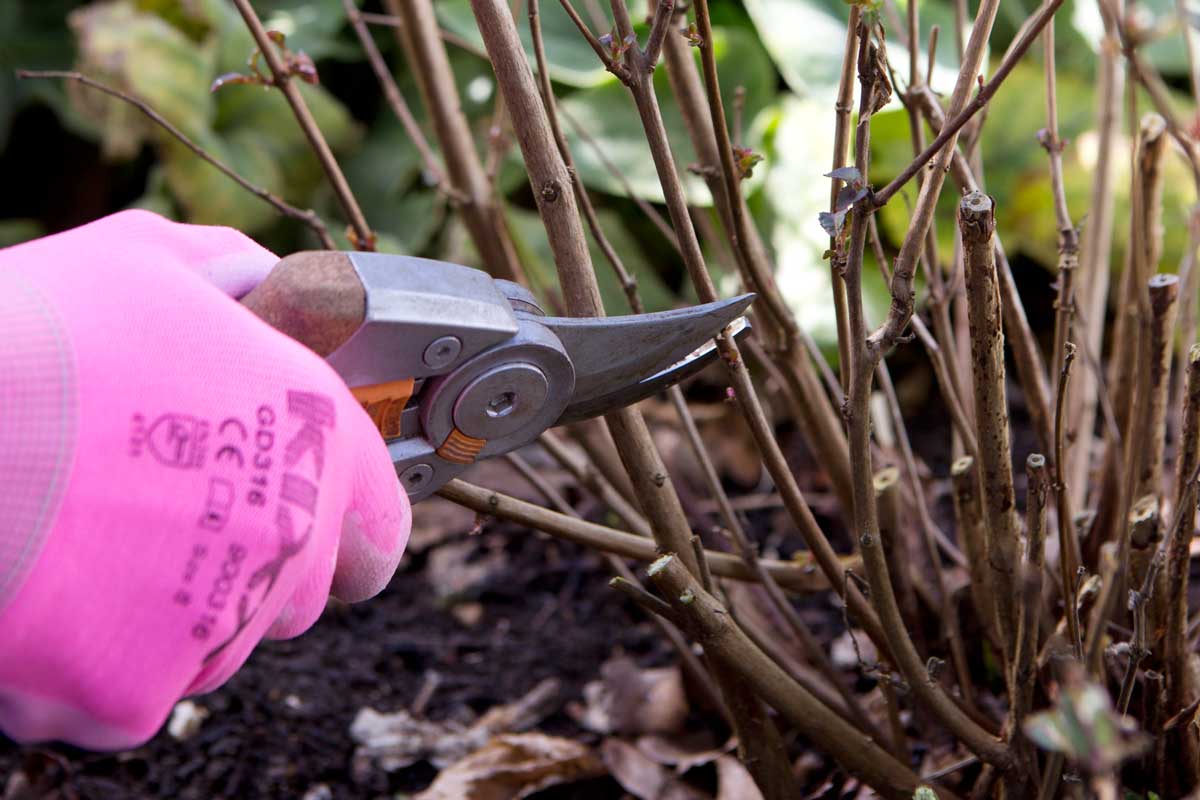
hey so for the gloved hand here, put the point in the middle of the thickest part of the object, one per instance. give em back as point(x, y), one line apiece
point(177, 479)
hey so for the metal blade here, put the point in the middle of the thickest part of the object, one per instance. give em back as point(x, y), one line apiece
point(620, 360)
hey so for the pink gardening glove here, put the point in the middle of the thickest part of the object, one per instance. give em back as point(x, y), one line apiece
point(177, 479)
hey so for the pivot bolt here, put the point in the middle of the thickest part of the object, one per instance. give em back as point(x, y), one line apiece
point(416, 476)
point(501, 405)
point(442, 352)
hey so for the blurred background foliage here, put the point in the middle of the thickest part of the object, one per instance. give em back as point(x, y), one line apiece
point(69, 155)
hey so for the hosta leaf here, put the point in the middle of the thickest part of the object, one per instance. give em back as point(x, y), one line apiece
point(148, 57)
point(806, 38)
point(608, 116)
point(264, 115)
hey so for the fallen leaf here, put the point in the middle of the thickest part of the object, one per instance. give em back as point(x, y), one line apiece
point(514, 766)
point(439, 521)
point(734, 781)
point(395, 740)
point(631, 700)
point(640, 776)
point(680, 752)
point(456, 569)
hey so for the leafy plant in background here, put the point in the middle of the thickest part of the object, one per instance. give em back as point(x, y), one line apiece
point(169, 53)
point(750, 164)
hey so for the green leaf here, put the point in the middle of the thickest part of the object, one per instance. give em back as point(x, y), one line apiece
point(1085, 727)
point(806, 39)
point(570, 59)
point(144, 55)
point(607, 114)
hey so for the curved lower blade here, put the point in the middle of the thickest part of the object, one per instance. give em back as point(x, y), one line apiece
point(621, 360)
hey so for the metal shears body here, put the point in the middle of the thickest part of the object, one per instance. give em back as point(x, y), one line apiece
point(454, 366)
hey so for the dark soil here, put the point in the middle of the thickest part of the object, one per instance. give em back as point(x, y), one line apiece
point(281, 726)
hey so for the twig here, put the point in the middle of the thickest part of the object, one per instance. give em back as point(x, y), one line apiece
point(648, 209)
point(392, 94)
point(1152, 426)
point(1143, 515)
point(1068, 262)
point(473, 193)
point(977, 222)
point(968, 513)
point(791, 576)
point(905, 655)
point(628, 282)
point(959, 115)
point(903, 273)
point(1095, 253)
point(307, 216)
point(1029, 597)
point(664, 10)
point(843, 108)
point(947, 382)
point(1031, 369)
point(1129, 367)
point(589, 477)
point(364, 238)
point(644, 599)
point(611, 64)
point(1068, 540)
point(817, 418)
point(1176, 650)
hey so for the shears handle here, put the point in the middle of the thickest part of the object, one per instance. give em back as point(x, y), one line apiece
point(318, 299)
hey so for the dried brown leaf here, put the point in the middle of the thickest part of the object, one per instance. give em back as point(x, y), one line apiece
point(734, 781)
point(631, 700)
point(682, 752)
point(514, 766)
point(642, 777)
point(396, 740)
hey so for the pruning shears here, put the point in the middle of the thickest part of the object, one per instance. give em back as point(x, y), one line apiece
point(455, 366)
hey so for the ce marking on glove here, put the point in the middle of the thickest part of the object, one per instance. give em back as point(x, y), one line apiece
point(175, 440)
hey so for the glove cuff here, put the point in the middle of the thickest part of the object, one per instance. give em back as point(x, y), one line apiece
point(38, 421)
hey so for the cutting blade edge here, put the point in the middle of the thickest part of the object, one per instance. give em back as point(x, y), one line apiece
point(621, 360)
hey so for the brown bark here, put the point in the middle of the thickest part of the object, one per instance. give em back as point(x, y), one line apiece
point(977, 222)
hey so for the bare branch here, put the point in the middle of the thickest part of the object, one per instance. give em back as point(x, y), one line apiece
point(392, 93)
point(474, 195)
point(664, 10)
point(364, 238)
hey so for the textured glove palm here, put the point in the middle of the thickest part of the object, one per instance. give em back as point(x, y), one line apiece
point(177, 479)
